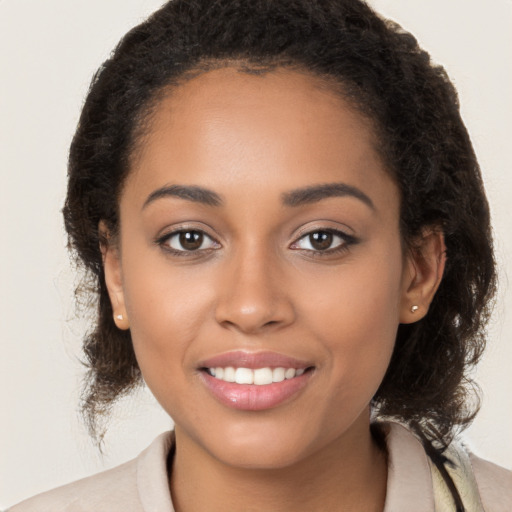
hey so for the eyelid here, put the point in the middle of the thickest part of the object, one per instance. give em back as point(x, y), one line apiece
point(347, 240)
point(324, 225)
point(162, 239)
point(178, 234)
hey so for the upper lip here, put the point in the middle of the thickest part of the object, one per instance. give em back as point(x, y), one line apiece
point(253, 360)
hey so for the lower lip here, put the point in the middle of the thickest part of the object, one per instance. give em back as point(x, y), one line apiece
point(250, 397)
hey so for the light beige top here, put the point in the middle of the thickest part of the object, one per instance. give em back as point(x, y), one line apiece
point(141, 485)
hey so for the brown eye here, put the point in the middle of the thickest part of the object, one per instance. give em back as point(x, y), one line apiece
point(321, 240)
point(189, 241)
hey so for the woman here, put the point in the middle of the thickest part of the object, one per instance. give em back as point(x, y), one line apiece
point(284, 218)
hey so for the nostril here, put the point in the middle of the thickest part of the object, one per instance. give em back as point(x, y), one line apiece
point(252, 309)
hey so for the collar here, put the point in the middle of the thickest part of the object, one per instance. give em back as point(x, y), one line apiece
point(152, 479)
point(409, 477)
point(409, 484)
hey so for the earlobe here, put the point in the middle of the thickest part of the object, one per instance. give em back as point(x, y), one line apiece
point(113, 276)
point(423, 271)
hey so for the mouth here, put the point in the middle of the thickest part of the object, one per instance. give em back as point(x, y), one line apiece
point(255, 381)
point(258, 376)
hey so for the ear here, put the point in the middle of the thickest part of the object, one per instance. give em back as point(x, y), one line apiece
point(113, 276)
point(423, 272)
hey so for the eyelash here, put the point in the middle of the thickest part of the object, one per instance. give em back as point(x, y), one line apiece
point(164, 242)
point(346, 241)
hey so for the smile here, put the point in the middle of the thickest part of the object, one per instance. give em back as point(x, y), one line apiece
point(255, 381)
point(259, 376)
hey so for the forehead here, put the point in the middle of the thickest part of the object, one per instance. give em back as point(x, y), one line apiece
point(226, 127)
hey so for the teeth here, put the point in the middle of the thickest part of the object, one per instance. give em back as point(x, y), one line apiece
point(244, 376)
point(229, 374)
point(289, 373)
point(263, 376)
point(260, 376)
point(278, 374)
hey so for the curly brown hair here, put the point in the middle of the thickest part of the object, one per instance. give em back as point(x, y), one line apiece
point(414, 108)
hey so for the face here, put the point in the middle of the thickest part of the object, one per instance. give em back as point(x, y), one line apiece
point(260, 243)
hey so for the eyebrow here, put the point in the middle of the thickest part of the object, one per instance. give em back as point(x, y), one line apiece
point(298, 197)
point(187, 192)
point(315, 193)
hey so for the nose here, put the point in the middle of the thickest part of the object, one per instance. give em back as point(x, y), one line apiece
point(253, 296)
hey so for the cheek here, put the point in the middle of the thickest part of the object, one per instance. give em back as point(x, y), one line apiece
point(357, 317)
point(166, 307)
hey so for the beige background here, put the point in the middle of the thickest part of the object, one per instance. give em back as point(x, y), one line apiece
point(48, 52)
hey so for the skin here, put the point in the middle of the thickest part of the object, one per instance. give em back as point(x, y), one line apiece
point(257, 284)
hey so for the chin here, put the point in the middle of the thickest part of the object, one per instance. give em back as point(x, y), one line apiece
point(263, 445)
point(260, 456)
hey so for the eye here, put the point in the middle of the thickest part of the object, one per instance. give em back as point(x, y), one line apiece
point(323, 241)
point(188, 241)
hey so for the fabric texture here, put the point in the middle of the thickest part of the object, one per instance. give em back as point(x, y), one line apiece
point(414, 484)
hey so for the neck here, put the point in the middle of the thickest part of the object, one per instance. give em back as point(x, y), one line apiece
point(348, 474)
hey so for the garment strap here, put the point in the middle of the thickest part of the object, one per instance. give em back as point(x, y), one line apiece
point(461, 472)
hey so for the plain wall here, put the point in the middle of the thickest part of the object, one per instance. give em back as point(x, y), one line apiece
point(48, 53)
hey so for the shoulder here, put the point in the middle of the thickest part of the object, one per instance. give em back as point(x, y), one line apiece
point(494, 484)
point(412, 476)
point(114, 488)
point(482, 485)
point(130, 487)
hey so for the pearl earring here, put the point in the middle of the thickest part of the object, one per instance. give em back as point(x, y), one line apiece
point(414, 309)
point(119, 317)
